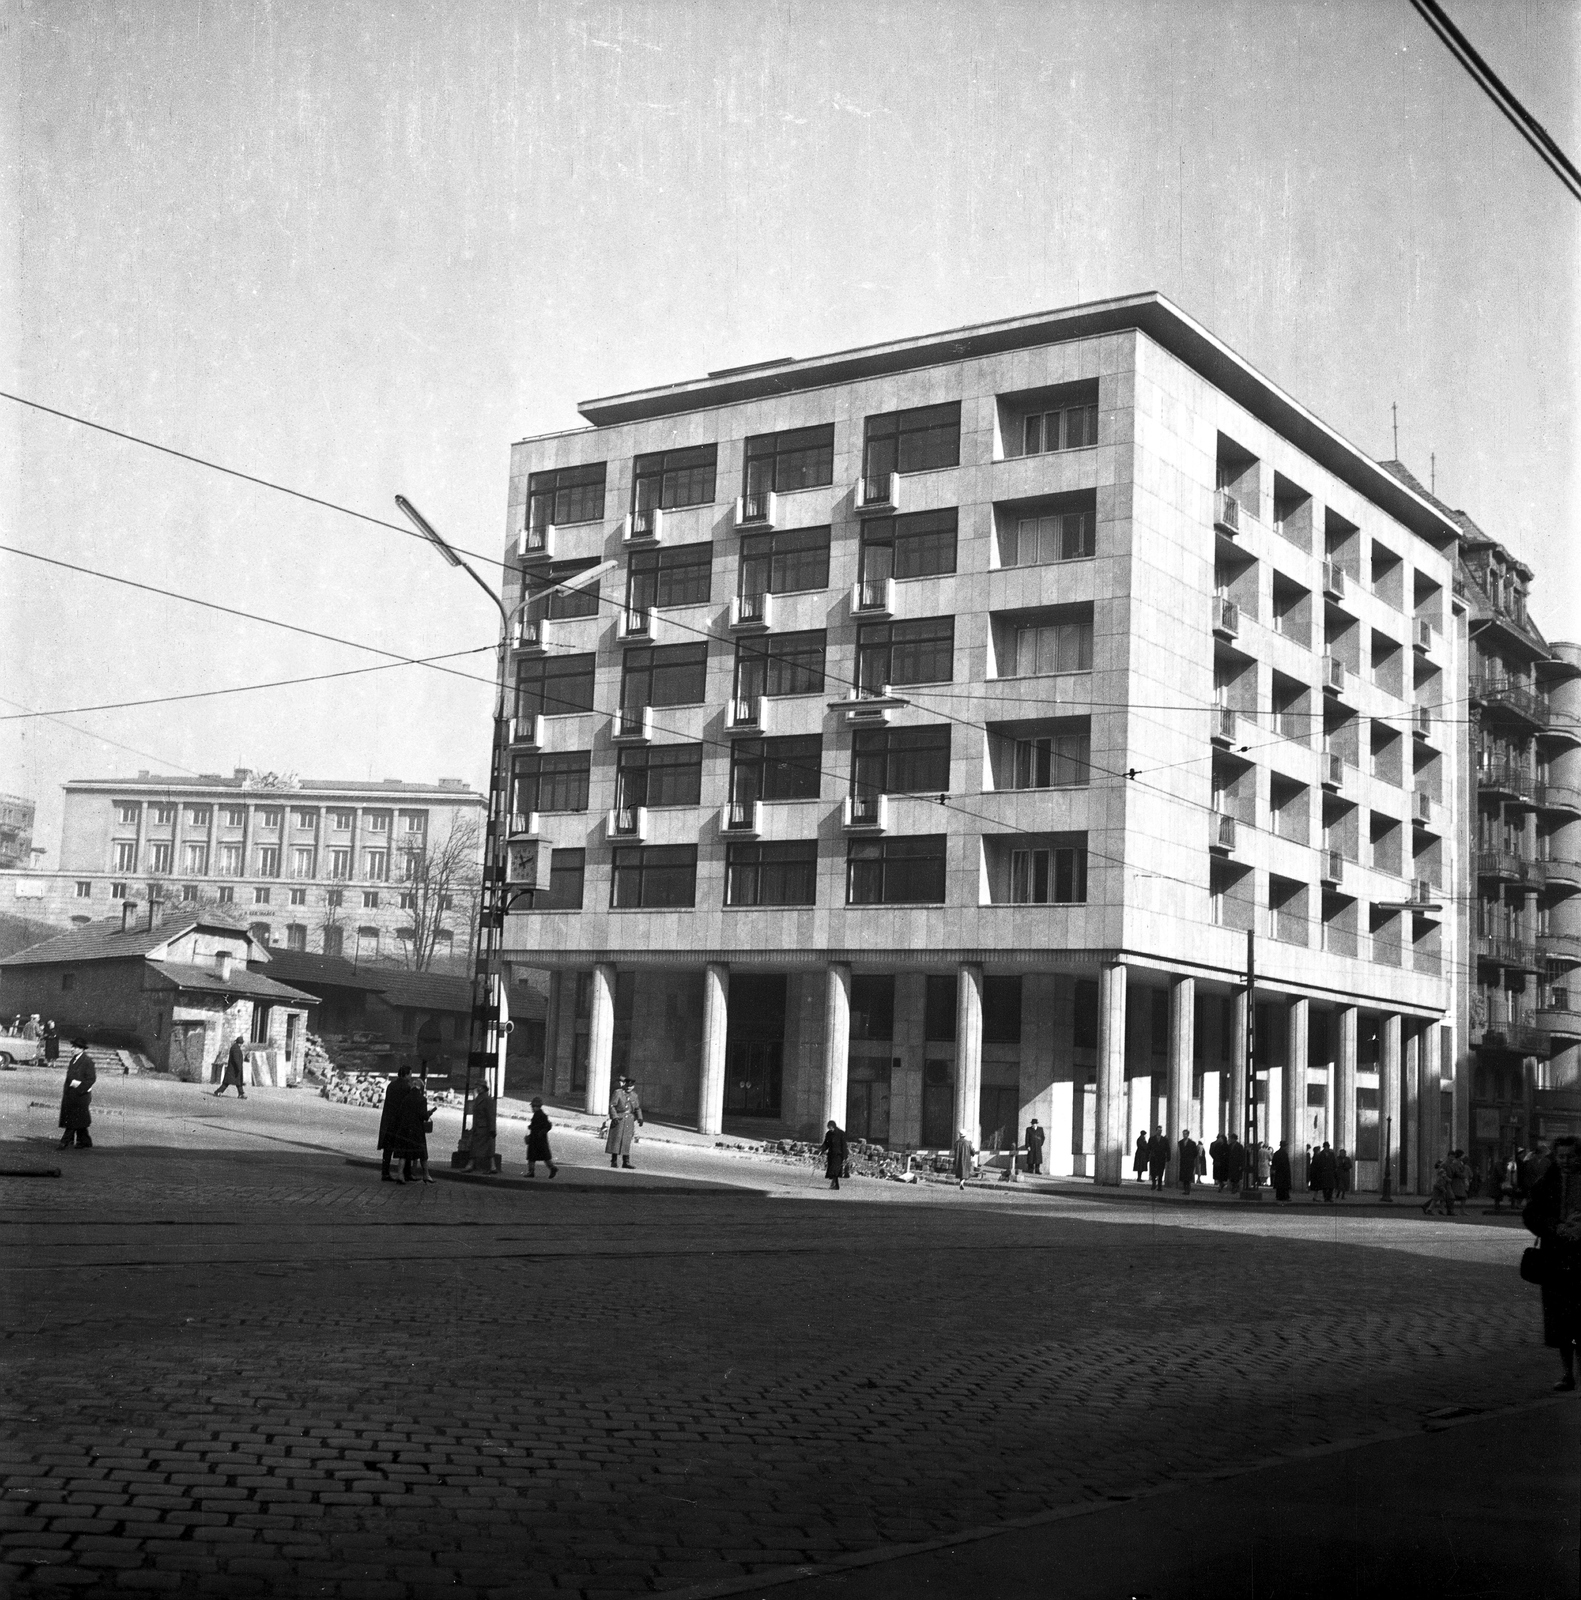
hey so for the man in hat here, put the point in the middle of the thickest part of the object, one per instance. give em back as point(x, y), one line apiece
point(625, 1117)
point(235, 1063)
point(76, 1113)
point(1034, 1143)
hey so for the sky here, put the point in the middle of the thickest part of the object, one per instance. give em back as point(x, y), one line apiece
point(359, 249)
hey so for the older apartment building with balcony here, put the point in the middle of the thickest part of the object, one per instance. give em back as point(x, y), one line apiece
point(912, 736)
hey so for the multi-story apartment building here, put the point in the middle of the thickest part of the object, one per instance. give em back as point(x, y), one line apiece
point(307, 864)
point(917, 736)
point(16, 831)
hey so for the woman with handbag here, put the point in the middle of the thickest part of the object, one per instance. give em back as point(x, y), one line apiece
point(1554, 1214)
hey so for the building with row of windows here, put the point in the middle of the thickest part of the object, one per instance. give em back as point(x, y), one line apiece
point(923, 737)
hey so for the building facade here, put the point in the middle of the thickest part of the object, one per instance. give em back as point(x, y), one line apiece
point(16, 831)
point(307, 864)
point(924, 736)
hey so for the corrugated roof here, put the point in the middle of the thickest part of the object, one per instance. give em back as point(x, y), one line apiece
point(240, 981)
point(105, 941)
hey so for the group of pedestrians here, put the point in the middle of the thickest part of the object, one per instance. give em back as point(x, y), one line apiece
point(1451, 1185)
point(1514, 1178)
point(1329, 1172)
point(404, 1126)
point(32, 1029)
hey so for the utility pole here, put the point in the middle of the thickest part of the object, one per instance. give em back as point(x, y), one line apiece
point(1249, 1066)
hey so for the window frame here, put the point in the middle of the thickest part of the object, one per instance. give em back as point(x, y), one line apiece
point(675, 475)
point(770, 864)
point(544, 506)
point(752, 762)
point(573, 770)
point(914, 423)
point(902, 535)
point(777, 659)
point(649, 571)
point(672, 759)
point(535, 674)
point(872, 637)
point(676, 658)
point(775, 448)
point(641, 863)
point(872, 745)
point(774, 550)
point(901, 853)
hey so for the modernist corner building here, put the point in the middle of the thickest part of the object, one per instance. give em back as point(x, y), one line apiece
point(913, 736)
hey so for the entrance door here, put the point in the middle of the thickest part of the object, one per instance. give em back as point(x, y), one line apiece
point(998, 1109)
point(292, 1023)
point(867, 1110)
point(752, 1077)
point(938, 1106)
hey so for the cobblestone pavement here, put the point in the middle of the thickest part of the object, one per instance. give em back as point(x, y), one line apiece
point(245, 1370)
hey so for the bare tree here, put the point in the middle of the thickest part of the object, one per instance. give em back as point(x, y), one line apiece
point(442, 877)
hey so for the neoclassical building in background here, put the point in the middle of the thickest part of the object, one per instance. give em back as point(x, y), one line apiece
point(948, 718)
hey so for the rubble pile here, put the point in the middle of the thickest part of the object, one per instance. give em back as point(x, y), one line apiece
point(315, 1059)
point(864, 1159)
point(359, 1052)
point(368, 1089)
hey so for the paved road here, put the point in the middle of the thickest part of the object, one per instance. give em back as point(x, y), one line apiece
point(240, 1365)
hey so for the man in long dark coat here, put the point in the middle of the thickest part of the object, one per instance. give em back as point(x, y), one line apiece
point(1218, 1153)
point(1139, 1160)
point(833, 1149)
point(1034, 1143)
point(76, 1110)
point(1188, 1151)
point(51, 1041)
point(485, 1127)
point(1323, 1173)
point(1279, 1171)
point(1157, 1157)
point(235, 1064)
point(395, 1093)
point(1235, 1161)
point(625, 1117)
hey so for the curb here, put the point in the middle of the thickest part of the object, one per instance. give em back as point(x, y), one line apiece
point(644, 1183)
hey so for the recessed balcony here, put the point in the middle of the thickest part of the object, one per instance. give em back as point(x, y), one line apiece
point(1226, 512)
point(1226, 617)
point(757, 511)
point(751, 613)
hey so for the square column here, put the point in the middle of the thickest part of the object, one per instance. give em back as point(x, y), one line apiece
point(1239, 1022)
point(836, 1045)
point(969, 1051)
point(1389, 1100)
point(551, 1031)
point(1428, 1137)
point(711, 1077)
point(1295, 1086)
point(1342, 1113)
point(600, 1040)
point(1182, 1049)
point(1410, 1123)
point(1109, 1142)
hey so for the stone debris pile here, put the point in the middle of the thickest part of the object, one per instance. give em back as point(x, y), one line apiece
point(368, 1089)
point(864, 1159)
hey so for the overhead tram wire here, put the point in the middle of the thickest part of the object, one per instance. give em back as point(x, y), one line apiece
point(99, 738)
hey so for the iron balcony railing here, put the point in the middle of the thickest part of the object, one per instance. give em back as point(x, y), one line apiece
point(1226, 511)
point(1226, 616)
point(1557, 797)
point(1493, 689)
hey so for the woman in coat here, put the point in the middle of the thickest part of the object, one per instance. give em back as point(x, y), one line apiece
point(1219, 1150)
point(963, 1159)
point(1139, 1160)
point(538, 1141)
point(625, 1117)
point(410, 1131)
point(51, 1041)
point(1554, 1214)
point(76, 1111)
point(833, 1148)
point(395, 1093)
point(485, 1128)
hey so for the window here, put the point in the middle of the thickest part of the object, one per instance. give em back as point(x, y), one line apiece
point(341, 821)
point(1039, 649)
point(1054, 876)
point(271, 817)
point(227, 895)
point(771, 874)
point(197, 816)
point(127, 813)
point(550, 782)
point(370, 899)
point(376, 865)
point(912, 441)
point(260, 897)
point(565, 495)
point(567, 874)
point(798, 458)
point(334, 941)
point(653, 877)
point(918, 546)
point(781, 663)
point(678, 576)
point(788, 561)
point(938, 1008)
point(669, 479)
point(299, 897)
point(126, 856)
point(164, 816)
point(235, 816)
point(159, 858)
point(555, 686)
point(306, 820)
point(296, 936)
point(892, 872)
point(1056, 536)
point(334, 898)
point(189, 891)
point(660, 775)
point(414, 822)
point(377, 821)
point(776, 769)
point(230, 861)
point(367, 941)
point(1002, 1009)
point(445, 903)
point(901, 760)
point(117, 891)
point(1069, 428)
point(905, 652)
point(664, 675)
point(553, 595)
point(84, 890)
point(268, 861)
point(1050, 755)
point(340, 864)
point(302, 861)
point(408, 901)
point(872, 1005)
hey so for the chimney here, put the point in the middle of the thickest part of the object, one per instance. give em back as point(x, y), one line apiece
point(128, 912)
point(222, 965)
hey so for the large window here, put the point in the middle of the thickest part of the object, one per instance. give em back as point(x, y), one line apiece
point(339, 863)
point(1040, 755)
point(565, 495)
point(554, 686)
point(664, 675)
point(268, 861)
point(567, 872)
point(1064, 428)
point(659, 775)
point(231, 860)
point(197, 859)
point(675, 576)
point(782, 663)
point(771, 874)
point(159, 858)
point(376, 865)
point(798, 458)
point(776, 769)
point(556, 602)
point(653, 877)
point(788, 561)
point(1041, 648)
point(895, 872)
point(668, 479)
point(905, 652)
point(197, 816)
point(550, 782)
point(127, 813)
point(1051, 875)
point(918, 546)
point(912, 441)
point(901, 760)
point(1035, 541)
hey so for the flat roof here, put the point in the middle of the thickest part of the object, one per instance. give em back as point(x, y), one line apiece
point(1150, 313)
point(313, 787)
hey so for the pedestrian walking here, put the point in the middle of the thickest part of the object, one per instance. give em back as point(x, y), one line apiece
point(76, 1105)
point(1218, 1151)
point(235, 1063)
point(625, 1117)
point(51, 1041)
point(411, 1129)
point(395, 1092)
point(485, 1128)
point(1157, 1157)
point(1034, 1144)
point(1202, 1162)
point(1459, 1177)
point(1323, 1174)
point(1279, 1171)
point(1235, 1161)
point(538, 1141)
point(1343, 1167)
point(833, 1148)
point(1512, 1179)
point(1187, 1151)
point(30, 1028)
point(1440, 1198)
point(963, 1159)
point(1139, 1162)
point(1554, 1214)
